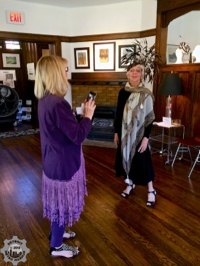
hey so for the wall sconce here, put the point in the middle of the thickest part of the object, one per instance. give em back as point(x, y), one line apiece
point(170, 85)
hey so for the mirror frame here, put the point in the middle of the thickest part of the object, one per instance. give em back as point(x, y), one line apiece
point(166, 12)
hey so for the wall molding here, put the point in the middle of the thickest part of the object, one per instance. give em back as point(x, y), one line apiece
point(84, 38)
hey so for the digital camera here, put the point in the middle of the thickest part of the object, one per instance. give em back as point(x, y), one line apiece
point(92, 95)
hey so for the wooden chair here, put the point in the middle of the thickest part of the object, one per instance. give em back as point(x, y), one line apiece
point(185, 145)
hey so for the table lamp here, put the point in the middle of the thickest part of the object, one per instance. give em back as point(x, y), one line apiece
point(170, 85)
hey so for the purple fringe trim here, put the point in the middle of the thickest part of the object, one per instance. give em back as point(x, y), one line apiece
point(63, 201)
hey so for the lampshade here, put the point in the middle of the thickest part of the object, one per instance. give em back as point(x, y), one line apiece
point(170, 85)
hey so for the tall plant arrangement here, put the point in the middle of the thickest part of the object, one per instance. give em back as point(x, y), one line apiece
point(143, 55)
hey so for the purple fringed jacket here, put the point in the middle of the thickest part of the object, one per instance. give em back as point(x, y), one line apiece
point(61, 137)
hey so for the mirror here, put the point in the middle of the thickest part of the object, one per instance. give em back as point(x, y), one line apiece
point(183, 29)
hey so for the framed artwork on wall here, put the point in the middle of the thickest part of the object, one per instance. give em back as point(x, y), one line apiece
point(104, 56)
point(124, 50)
point(82, 58)
point(171, 53)
point(11, 60)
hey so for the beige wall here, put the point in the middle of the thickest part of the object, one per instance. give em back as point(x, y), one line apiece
point(44, 19)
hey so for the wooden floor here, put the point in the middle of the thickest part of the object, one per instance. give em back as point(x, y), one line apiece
point(112, 231)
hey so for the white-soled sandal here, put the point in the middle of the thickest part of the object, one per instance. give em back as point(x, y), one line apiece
point(67, 234)
point(65, 251)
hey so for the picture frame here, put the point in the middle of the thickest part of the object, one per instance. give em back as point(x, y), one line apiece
point(11, 60)
point(104, 56)
point(82, 58)
point(171, 53)
point(123, 51)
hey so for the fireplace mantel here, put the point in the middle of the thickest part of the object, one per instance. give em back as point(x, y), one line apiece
point(98, 78)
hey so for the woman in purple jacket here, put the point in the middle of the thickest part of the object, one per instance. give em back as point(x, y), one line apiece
point(64, 178)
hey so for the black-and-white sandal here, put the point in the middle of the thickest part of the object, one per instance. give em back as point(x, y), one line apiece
point(65, 251)
point(152, 203)
point(67, 234)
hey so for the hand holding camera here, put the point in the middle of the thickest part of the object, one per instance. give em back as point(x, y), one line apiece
point(90, 105)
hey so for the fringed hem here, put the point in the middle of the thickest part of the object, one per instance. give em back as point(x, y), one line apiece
point(63, 201)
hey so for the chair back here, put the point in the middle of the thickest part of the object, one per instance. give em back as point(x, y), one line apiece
point(196, 131)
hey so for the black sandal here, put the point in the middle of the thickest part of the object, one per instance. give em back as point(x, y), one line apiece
point(124, 194)
point(151, 203)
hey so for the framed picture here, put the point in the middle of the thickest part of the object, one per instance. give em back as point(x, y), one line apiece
point(123, 51)
point(171, 53)
point(104, 56)
point(11, 60)
point(82, 58)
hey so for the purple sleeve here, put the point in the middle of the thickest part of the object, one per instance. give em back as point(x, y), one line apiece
point(67, 123)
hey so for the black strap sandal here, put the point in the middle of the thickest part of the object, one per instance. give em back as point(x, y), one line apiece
point(124, 194)
point(151, 203)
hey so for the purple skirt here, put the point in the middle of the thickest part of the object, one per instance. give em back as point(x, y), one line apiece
point(63, 201)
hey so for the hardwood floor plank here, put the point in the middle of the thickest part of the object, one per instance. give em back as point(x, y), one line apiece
point(112, 230)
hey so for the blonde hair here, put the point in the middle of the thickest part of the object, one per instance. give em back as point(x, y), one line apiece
point(50, 76)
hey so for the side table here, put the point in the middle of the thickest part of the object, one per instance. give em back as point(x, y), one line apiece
point(167, 137)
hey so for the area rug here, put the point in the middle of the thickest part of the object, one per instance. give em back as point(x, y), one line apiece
point(99, 143)
point(25, 132)
point(18, 133)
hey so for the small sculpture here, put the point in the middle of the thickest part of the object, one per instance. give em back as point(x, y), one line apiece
point(183, 48)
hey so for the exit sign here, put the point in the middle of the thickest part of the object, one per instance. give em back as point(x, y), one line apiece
point(15, 17)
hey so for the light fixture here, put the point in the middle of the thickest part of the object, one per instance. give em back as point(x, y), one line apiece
point(170, 85)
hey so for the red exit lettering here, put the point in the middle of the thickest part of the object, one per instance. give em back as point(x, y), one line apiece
point(15, 17)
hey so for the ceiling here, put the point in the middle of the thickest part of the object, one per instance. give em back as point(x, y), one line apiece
point(75, 3)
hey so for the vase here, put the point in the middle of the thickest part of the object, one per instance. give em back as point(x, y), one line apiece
point(196, 54)
point(179, 56)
